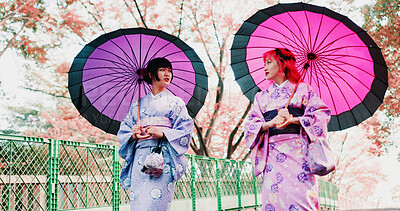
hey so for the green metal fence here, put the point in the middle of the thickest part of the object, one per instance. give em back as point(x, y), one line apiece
point(48, 174)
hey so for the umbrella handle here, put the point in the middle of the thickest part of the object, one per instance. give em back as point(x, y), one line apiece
point(142, 136)
point(138, 135)
point(283, 125)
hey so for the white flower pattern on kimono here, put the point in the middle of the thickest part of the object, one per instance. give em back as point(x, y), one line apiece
point(156, 193)
point(184, 141)
point(170, 186)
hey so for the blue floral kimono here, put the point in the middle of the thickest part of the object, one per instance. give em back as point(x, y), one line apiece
point(169, 114)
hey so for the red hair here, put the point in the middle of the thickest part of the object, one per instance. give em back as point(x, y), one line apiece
point(286, 61)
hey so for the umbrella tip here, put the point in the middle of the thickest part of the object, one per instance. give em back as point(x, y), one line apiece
point(311, 56)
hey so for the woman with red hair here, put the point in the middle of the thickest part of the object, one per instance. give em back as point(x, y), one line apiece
point(278, 152)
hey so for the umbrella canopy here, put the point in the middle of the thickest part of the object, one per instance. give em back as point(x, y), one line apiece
point(346, 68)
point(103, 79)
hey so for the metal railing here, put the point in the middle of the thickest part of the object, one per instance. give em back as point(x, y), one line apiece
point(48, 174)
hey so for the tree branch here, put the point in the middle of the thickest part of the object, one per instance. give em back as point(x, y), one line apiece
point(3, 21)
point(51, 94)
point(232, 147)
point(141, 16)
point(93, 16)
point(131, 12)
point(12, 39)
point(203, 147)
point(180, 20)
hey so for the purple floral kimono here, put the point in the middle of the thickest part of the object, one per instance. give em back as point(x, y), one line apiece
point(279, 155)
point(169, 114)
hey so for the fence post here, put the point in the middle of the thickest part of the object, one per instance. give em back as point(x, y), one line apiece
point(239, 191)
point(52, 185)
point(10, 168)
point(115, 179)
point(255, 189)
point(193, 182)
point(218, 170)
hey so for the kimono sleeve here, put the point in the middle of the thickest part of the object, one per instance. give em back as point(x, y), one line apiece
point(253, 124)
point(316, 116)
point(182, 127)
point(124, 134)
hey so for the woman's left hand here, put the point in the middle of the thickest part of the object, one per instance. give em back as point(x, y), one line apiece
point(154, 131)
point(284, 112)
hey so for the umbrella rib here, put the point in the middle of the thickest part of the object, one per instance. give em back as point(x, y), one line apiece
point(290, 30)
point(123, 62)
point(309, 30)
point(350, 75)
point(132, 51)
point(168, 43)
point(340, 92)
point(151, 45)
point(285, 36)
point(317, 35)
point(113, 80)
point(255, 85)
point(346, 63)
point(184, 91)
point(98, 97)
point(298, 26)
point(189, 83)
point(326, 37)
point(120, 58)
point(187, 71)
point(328, 87)
point(104, 75)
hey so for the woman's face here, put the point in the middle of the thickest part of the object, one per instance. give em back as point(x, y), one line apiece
point(273, 71)
point(165, 76)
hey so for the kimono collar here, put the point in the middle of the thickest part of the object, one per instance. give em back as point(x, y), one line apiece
point(282, 84)
point(160, 94)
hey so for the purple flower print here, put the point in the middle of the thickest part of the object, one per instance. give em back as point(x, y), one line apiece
point(306, 122)
point(256, 161)
point(293, 207)
point(311, 115)
point(274, 188)
point(302, 177)
point(286, 92)
point(269, 207)
point(318, 130)
point(305, 167)
point(276, 94)
point(272, 146)
point(328, 112)
point(251, 116)
point(310, 94)
point(252, 127)
point(268, 168)
point(312, 109)
point(281, 157)
point(279, 177)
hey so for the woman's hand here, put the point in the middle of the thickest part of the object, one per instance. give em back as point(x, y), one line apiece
point(157, 133)
point(278, 119)
point(136, 129)
point(284, 112)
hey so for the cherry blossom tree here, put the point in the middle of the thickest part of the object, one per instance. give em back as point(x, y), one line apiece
point(358, 171)
point(382, 23)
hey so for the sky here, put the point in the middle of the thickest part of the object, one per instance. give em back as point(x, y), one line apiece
point(11, 74)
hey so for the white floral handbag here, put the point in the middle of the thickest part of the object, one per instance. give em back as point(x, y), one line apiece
point(154, 163)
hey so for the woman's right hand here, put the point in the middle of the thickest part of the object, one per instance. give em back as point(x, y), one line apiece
point(278, 119)
point(136, 129)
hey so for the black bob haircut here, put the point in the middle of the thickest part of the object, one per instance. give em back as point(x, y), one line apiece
point(152, 68)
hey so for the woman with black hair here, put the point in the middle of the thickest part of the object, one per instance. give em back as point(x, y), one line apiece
point(151, 174)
